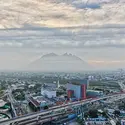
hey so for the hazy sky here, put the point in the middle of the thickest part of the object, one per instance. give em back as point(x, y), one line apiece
point(92, 30)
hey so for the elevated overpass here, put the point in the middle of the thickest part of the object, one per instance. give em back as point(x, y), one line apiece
point(54, 110)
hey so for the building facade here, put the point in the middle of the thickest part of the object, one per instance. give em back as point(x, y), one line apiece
point(49, 93)
point(78, 87)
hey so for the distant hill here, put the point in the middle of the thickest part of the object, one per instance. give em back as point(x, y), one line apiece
point(54, 62)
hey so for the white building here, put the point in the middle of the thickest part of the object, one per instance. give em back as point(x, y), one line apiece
point(48, 92)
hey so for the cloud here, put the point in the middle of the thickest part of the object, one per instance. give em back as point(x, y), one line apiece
point(31, 27)
point(11, 44)
point(61, 24)
point(60, 13)
point(33, 37)
point(106, 62)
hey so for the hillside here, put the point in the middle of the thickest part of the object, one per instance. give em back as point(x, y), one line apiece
point(65, 62)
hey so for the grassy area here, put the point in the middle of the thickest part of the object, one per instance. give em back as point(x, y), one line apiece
point(103, 83)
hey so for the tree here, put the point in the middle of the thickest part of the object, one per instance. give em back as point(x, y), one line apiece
point(93, 113)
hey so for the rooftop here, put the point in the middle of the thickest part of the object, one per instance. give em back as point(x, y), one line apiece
point(34, 102)
point(49, 88)
point(39, 99)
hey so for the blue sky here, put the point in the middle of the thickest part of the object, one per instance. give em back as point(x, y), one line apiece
point(93, 30)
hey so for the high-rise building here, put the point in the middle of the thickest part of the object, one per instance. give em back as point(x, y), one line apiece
point(80, 81)
point(78, 87)
point(58, 84)
point(70, 93)
point(83, 91)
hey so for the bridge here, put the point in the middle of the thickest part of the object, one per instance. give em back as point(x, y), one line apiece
point(53, 112)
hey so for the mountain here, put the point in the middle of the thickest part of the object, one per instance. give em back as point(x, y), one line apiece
point(54, 62)
point(49, 55)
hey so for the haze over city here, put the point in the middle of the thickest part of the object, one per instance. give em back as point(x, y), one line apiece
point(92, 30)
point(62, 62)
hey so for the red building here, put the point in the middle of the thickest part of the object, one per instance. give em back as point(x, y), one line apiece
point(70, 93)
point(83, 91)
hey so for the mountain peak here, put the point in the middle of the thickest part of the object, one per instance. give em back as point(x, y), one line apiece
point(67, 54)
point(55, 62)
point(49, 55)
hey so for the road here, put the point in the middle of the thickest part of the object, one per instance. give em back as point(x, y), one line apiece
point(11, 99)
point(58, 108)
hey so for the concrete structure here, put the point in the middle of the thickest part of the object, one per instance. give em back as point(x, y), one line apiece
point(33, 103)
point(48, 90)
point(83, 90)
point(77, 106)
point(50, 93)
point(79, 87)
point(58, 84)
point(76, 88)
point(70, 93)
point(80, 81)
point(38, 102)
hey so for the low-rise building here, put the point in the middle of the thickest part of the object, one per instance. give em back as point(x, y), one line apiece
point(50, 93)
point(38, 102)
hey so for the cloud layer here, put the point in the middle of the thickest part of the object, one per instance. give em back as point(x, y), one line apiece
point(93, 29)
point(63, 38)
point(60, 13)
point(62, 23)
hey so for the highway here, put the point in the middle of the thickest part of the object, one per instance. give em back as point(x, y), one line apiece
point(11, 99)
point(57, 108)
point(48, 118)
